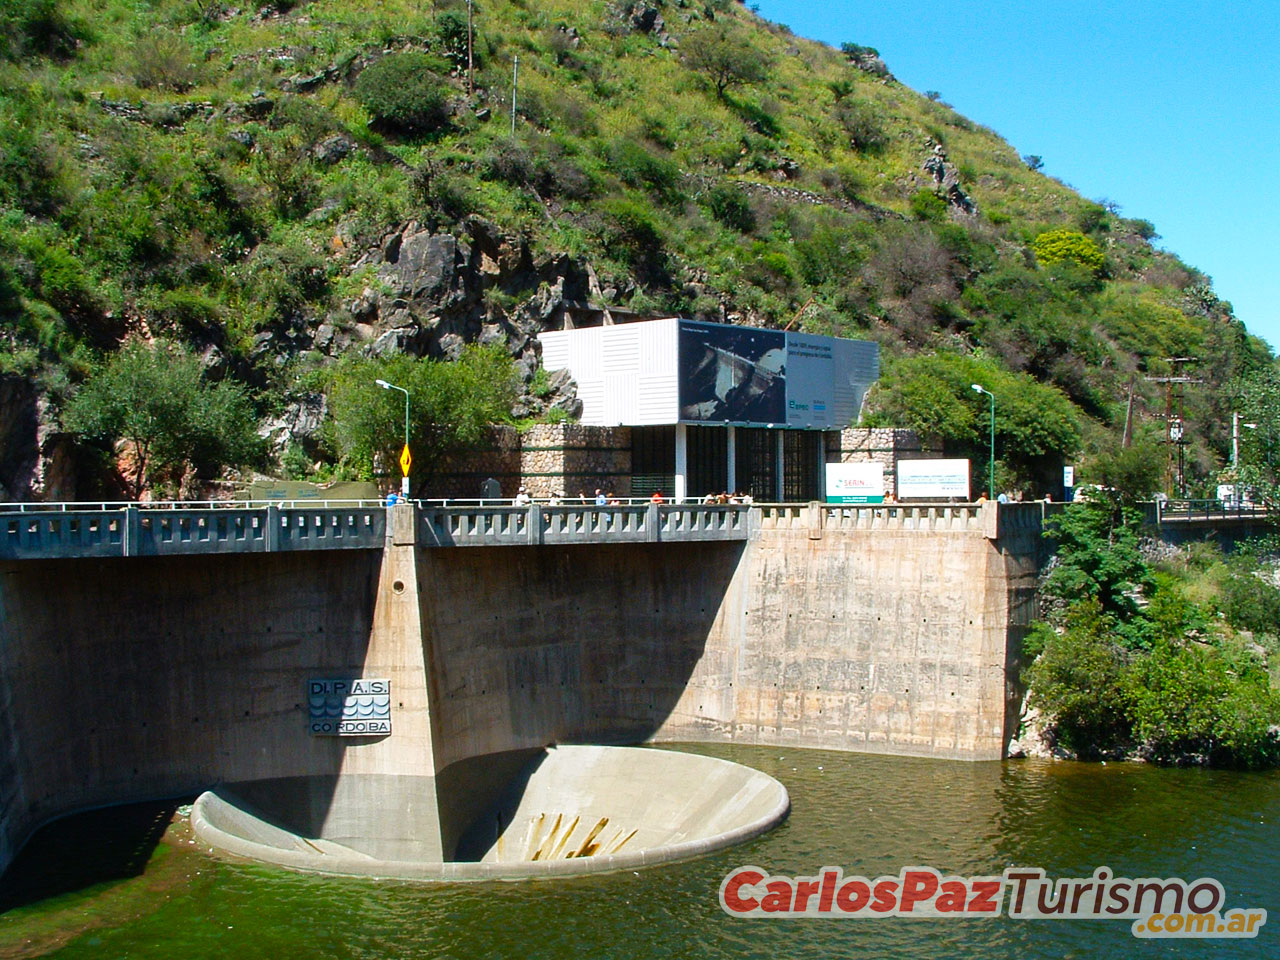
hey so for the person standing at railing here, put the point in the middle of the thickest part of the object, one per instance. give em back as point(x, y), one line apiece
point(657, 497)
point(522, 497)
point(601, 499)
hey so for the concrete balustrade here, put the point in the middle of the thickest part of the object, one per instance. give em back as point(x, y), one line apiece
point(106, 530)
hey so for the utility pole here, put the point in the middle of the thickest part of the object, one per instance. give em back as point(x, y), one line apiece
point(471, 80)
point(1175, 425)
point(515, 80)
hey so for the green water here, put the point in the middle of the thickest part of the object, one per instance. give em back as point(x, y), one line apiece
point(871, 815)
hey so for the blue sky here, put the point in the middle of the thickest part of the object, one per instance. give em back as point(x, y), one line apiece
point(1170, 109)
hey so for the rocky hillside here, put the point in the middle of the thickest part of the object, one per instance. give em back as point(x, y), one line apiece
point(279, 187)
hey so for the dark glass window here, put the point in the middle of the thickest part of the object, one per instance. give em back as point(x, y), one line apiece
point(801, 463)
point(653, 460)
point(756, 462)
point(707, 450)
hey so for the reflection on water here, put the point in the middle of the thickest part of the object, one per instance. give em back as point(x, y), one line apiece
point(870, 815)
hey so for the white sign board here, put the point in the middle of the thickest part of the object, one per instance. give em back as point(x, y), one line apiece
point(933, 479)
point(1068, 476)
point(855, 483)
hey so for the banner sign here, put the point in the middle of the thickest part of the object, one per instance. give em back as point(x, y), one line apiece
point(933, 479)
point(855, 483)
point(349, 708)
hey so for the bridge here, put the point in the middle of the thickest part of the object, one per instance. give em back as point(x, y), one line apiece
point(72, 530)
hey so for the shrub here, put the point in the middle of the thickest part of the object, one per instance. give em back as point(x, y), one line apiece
point(863, 125)
point(403, 94)
point(1079, 681)
point(927, 205)
point(637, 167)
point(731, 207)
point(1250, 603)
point(1068, 246)
point(38, 28)
point(163, 61)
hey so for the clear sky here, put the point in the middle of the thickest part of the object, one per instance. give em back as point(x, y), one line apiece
point(1169, 109)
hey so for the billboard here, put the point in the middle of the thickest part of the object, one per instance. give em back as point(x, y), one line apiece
point(743, 375)
point(855, 483)
point(734, 374)
point(933, 479)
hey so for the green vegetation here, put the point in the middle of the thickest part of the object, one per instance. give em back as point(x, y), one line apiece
point(1068, 246)
point(154, 398)
point(226, 178)
point(451, 404)
point(1172, 661)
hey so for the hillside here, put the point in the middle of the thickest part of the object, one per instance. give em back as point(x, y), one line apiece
point(282, 187)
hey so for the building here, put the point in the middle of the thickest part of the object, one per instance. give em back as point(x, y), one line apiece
point(716, 407)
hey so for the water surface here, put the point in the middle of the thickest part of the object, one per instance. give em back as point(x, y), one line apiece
point(871, 815)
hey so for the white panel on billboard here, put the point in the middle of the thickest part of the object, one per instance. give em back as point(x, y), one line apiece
point(855, 483)
point(933, 479)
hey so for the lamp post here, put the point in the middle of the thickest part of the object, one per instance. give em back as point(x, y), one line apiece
point(1235, 437)
point(991, 462)
point(404, 455)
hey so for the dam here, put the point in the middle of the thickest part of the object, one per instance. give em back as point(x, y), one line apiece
point(145, 656)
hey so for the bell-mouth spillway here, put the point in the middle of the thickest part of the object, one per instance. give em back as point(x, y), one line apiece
point(568, 810)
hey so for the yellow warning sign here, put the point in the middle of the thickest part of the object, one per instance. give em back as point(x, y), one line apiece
point(405, 460)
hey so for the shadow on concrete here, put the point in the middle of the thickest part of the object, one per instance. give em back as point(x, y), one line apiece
point(149, 677)
point(84, 850)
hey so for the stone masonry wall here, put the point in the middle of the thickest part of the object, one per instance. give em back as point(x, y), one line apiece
point(886, 445)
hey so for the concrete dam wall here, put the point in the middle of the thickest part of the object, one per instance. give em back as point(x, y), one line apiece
point(123, 679)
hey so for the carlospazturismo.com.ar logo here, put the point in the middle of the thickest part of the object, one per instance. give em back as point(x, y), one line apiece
point(1156, 907)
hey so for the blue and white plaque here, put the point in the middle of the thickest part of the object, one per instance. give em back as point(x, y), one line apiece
point(349, 708)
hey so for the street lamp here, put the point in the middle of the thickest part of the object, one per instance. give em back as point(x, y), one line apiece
point(991, 462)
point(1235, 437)
point(404, 456)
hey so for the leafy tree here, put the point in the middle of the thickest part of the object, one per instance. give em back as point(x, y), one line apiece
point(727, 58)
point(1033, 161)
point(1036, 425)
point(156, 399)
point(1097, 559)
point(451, 405)
point(1257, 400)
point(1059, 246)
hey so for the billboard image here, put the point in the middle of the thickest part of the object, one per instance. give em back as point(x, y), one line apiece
point(731, 373)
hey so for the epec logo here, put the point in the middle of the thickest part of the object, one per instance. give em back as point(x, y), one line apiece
point(794, 405)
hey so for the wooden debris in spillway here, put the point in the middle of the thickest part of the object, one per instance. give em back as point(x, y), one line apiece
point(618, 846)
point(565, 839)
point(589, 847)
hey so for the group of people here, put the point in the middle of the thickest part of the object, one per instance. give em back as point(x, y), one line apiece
point(603, 498)
point(739, 496)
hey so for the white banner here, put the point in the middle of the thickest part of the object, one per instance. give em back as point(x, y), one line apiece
point(855, 483)
point(933, 479)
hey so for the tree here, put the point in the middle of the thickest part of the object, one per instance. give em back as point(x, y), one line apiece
point(1257, 400)
point(727, 58)
point(451, 405)
point(154, 397)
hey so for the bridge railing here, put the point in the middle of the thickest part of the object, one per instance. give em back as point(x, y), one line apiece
point(137, 531)
point(870, 516)
point(561, 523)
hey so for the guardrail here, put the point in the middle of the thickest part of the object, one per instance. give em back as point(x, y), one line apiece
point(138, 531)
point(454, 526)
point(1186, 510)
